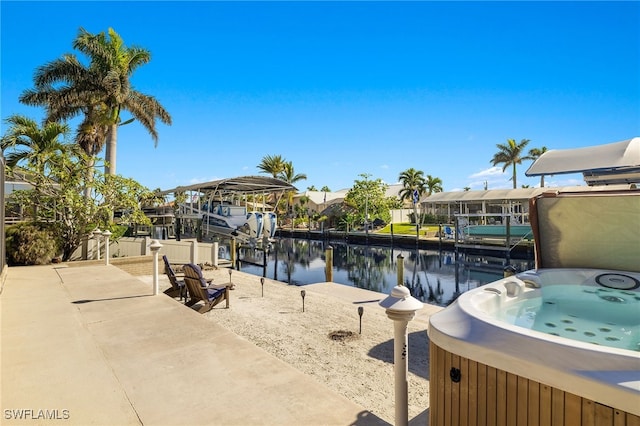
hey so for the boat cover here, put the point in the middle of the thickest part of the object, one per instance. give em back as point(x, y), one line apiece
point(236, 185)
point(613, 163)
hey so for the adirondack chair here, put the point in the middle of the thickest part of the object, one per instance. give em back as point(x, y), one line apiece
point(202, 290)
point(178, 286)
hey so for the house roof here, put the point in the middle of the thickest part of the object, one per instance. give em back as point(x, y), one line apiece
point(504, 194)
point(321, 197)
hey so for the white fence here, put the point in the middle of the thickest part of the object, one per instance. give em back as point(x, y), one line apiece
point(401, 215)
point(185, 251)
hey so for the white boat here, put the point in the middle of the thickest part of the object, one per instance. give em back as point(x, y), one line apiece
point(270, 224)
point(221, 208)
point(231, 220)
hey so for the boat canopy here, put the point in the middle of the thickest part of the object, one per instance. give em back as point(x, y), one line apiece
point(237, 185)
point(614, 163)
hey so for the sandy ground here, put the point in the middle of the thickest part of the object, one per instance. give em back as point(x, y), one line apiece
point(328, 340)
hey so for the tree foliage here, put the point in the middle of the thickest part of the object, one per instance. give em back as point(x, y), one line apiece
point(272, 164)
point(510, 154)
point(412, 181)
point(30, 244)
point(27, 142)
point(72, 200)
point(434, 184)
point(368, 198)
point(100, 91)
point(534, 154)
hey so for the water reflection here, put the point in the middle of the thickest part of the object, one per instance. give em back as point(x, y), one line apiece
point(433, 276)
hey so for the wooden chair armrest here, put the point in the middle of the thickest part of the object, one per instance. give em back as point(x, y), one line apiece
point(216, 286)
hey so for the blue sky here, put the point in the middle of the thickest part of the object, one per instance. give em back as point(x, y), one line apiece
point(346, 88)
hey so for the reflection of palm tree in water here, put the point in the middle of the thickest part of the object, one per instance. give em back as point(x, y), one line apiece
point(435, 295)
point(422, 261)
point(415, 287)
point(293, 254)
point(365, 267)
point(288, 266)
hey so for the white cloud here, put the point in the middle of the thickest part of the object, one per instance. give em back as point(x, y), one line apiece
point(490, 172)
point(193, 181)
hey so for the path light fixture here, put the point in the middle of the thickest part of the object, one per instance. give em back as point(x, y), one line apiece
point(401, 307)
point(155, 247)
point(303, 294)
point(96, 235)
point(262, 284)
point(360, 312)
point(106, 234)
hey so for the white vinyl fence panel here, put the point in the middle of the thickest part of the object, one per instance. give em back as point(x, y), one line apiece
point(185, 251)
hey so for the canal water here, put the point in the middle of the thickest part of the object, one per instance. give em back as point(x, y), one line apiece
point(433, 276)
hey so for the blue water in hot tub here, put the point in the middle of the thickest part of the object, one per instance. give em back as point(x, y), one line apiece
point(602, 316)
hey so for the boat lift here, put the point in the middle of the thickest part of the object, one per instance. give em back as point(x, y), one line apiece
point(235, 193)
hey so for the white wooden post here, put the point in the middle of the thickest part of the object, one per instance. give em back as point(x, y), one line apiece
point(97, 233)
point(106, 234)
point(214, 256)
point(155, 247)
point(194, 252)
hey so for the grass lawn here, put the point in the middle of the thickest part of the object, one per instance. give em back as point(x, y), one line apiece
point(409, 229)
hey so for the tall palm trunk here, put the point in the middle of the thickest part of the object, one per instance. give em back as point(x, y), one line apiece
point(110, 150)
point(89, 178)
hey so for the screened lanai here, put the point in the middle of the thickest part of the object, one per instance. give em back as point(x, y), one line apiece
point(511, 202)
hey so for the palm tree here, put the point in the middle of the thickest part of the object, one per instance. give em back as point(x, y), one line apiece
point(510, 154)
point(534, 154)
point(412, 181)
point(272, 164)
point(101, 91)
point(38, 146)
point(289, 175)
point(434, 184)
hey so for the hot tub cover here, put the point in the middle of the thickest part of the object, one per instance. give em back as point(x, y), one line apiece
point(594, 229)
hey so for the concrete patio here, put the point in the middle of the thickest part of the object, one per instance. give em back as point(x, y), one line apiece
point(91, 346)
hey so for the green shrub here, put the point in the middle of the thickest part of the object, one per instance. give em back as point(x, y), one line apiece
point(29, 244)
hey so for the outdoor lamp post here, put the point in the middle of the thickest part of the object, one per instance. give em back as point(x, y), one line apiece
point(155, 247)
point(106, 234)
point(401, 307)
point(96, 235)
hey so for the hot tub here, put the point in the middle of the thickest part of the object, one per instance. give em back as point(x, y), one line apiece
point(558, 345)
point(538, 346)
